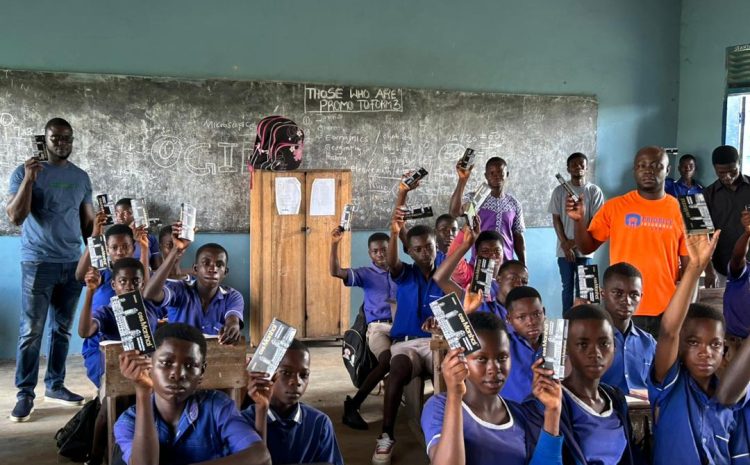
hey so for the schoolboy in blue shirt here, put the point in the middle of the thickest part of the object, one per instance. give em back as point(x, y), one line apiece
point(121, 241)
point(380, 298)
point(594, 419)
point(471, 424)
point(172, 423)
point(690, 424)
point(293, 432)
point(410, 353)
point(634, 348)
point(99, 324)
point(686, 184)
point(204, 303)
point(124, 215)
point(737, 291)
point(526, 316)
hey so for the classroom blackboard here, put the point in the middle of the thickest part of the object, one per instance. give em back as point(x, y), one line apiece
point(179, 140)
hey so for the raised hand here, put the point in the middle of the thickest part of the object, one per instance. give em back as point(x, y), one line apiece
point(397, 220)
point(463, 174)
point(576, 210)
point(137, 368)
point(92, 278)
point(99, 221)
point(472, 300)
point(455, 370)
point(545, 388)
point(701, 248)
point(337, 234)
point(259, 388)
point(179, 243)
point(141, 236)
point(31, 169)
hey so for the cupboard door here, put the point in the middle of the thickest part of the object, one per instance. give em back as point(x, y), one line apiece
point(327, 299)
point(278, 249)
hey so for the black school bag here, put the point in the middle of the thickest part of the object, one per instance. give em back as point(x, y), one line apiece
point(358, 358)
point(74, 440)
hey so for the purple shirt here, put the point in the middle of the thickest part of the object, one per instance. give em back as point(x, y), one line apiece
point(184, 306)
point(379, 288)
point(485, 443)
point(601, 435)
point(210, 428)
point(736, 298)
point(504, 215)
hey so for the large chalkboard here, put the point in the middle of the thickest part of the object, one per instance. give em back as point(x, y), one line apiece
point(176, 140)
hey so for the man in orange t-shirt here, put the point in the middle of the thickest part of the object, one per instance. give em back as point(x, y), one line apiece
point(645, 229)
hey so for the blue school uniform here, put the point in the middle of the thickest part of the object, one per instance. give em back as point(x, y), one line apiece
point(590, 438)
point(153, 248)
point(485, 442)
point(104, 292)
point(307, 436)
point(601, 435)
point(517, 386)
point(689, 426)
point(491, 305)
point(634, 352)
point(172, 310)
point(93, 359)
point(184, 304)
point(739, 442)
point(736, 297)
point(379, 288)
point(415, 292)
point(210, 428)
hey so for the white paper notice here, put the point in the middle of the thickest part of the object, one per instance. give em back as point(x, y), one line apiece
point(323, 197)
point(288, 196)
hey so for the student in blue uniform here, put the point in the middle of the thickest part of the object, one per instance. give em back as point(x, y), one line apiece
point(294, 432)
point(526, 316)
point(594, 419)
point(172, 422)
point(204, 303)
point(512, 274)
point(166, 244)
point(690, 424)
point(99, 324)
point(411, 355)
point(124, 215)
point(488, 244)
point(471, 424)
point(634, 348)
point(380, 299)
point(121, 241)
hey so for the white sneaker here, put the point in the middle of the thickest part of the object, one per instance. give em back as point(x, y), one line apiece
point(383, 451)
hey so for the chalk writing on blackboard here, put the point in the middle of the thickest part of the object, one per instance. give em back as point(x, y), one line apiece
point(320, 99)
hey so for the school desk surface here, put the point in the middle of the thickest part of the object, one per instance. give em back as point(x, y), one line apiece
point(33, 441)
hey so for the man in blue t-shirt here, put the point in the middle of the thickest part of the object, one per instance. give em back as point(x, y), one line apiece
point(51, 201)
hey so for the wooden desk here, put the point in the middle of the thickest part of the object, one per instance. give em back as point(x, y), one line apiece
point(224, 370)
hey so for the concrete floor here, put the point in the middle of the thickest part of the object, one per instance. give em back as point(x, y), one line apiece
point(33, 442)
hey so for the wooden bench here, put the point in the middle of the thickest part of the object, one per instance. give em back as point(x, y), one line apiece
point(224, 371)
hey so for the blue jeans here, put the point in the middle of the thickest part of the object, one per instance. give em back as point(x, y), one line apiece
point(46, 288)
point(568, 276)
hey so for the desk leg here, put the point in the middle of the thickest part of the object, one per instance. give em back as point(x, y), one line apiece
point(237, 395)
point(111, 404)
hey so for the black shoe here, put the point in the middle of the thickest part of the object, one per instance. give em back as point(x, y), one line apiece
point(62, 396)
point(352, 418)
point(22, 410)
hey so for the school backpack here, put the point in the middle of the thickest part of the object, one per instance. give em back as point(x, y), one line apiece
point(359, 360)
point(278, 145)
point(74, 440)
